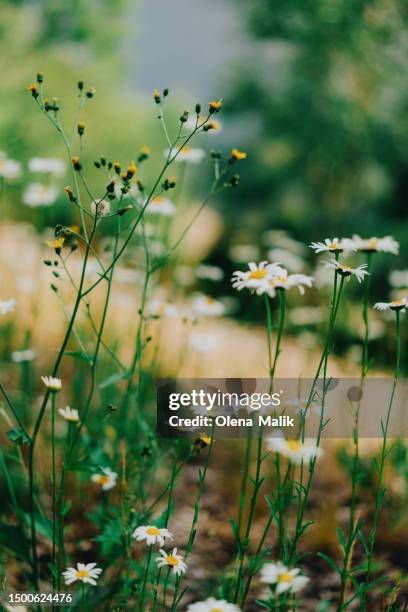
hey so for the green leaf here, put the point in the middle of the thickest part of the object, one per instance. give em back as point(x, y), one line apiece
point(330, 561)
point(81, 355)
point(114, 378)
point(18, 436)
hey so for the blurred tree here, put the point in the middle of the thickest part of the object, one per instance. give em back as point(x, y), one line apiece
point(325, 97)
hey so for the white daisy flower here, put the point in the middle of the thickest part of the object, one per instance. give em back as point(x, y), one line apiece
point(37, 194)
point(295, 450)
point(172, 560)
point(304, 406)
point(107, 479)
point(257, 277)
point(212, 605)
point(84, 572)
point(102, 208)
point(207, 272)
point(161, 206)
point(152, 534)
point(7, 306)
point(53, 384)
point(205, 306)
point(285, 579)
point(334, 245)
point(47, 166)
point(23, 356)
point(373, 245)
point(204, 343)
point(346, 271)
point(395, 305)
point(189, 154)
point(70, 414)
point(287, 281)
point(9, 168)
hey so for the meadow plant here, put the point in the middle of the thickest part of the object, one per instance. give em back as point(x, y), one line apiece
point(125, 228)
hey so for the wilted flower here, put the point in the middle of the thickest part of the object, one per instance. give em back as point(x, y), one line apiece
point(333, 245)
point(84, 572)
point(53, 384)
point(7, 306)
point(161, 206)
point(285, 579)
point(373, 245)
point(69, 414)
point(347, 271)
point(172, 560)
point(295, 450)
point(395, 305)
point(47, 165)
point(152, 534)
point(101, 208)
point(23, 356)
point(37, 194)
point(9, 168)
point(205, 306)
point(107, 479)
point(212, 605)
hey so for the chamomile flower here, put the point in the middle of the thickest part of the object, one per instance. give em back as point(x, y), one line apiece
point(53, 384)
point(152, 534)
point(69, 414)
point(38, 194)
point(212, 605)
point(9, 168)
point(257, 277)
point(205, 306)
point(172, 560)
point(7, 306)
point(84, 572)
point(284, 578)
point(334, 245)
point(283, 280)
point(107, 479)
point(347, 271)
point(23, 356)
point(101, 208)
point(395, 305)
point(387, 244)
point(304, 406)
point(161, 206)
point(190, 155)
point(46, 165)
point(295, 450)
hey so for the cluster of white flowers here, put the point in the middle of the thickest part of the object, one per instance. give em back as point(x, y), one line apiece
point(266, 278)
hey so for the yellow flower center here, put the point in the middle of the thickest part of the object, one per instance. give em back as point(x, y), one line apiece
point(171, 560)
point(82, 574)
point(216, 610)
point(285, 577)
point(372, 244)
point(345, 268)
point(333, 245)
point(103, 479)
point(186, 149)
point(153, 531)
point(397, 302)
point(210, 300)
point(294, 445)
point(157, 200)
point(257, 274)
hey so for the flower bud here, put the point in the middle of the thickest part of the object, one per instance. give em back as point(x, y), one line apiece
point(156, 96)
point(237, 155)
point(165, 92)
point(184, 117)
point(198, 108)
point(81, 128)
point(76, 163)
point(103, 160)
point(131, 170)
point(124, 210)
point(91, 92)
point(80, 85)
point(215, 106)
point(117, 166)
point(110, 188)
point(234, 180)
point(40, 78)
point(33, 89)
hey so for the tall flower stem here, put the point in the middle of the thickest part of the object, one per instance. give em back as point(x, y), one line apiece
point(54, 490)
point(146, 572)
point(353, 527)
point(379, 498)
